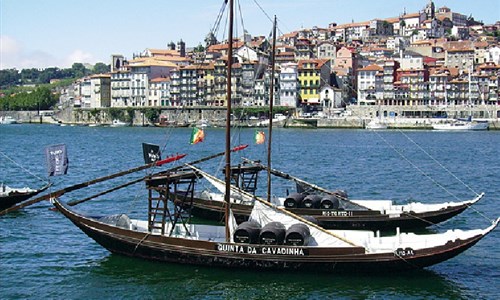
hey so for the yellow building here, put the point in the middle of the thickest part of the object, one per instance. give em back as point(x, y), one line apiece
point(313, 73)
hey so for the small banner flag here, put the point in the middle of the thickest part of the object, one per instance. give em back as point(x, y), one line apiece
point(197, 136)
point(260, 137)
point(151, 153)
point(57, 160)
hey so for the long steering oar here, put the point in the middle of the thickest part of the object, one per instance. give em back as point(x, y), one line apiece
point(88, 183)
point(122, 173)
point(75, 202)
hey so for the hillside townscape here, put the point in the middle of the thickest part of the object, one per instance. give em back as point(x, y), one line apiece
point(418, 64)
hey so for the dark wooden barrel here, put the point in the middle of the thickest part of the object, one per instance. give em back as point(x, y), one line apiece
point(247, 233)
point(272, 234)
point(297, 235)
point(341, 193)
point(311, 201)
point(293, 200)
point(329, 202)
point(310, 219)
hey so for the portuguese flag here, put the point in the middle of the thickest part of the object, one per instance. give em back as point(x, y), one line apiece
point(197, 136)
point(260, 137)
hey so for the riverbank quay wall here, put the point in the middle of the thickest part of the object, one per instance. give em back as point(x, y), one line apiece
point(354, 116)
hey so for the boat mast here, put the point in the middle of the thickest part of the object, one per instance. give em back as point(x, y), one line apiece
point(228, 121)
point(271, 100)
point(470, 93)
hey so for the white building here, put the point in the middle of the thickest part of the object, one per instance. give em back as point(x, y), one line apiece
point(100, 91)
point(159, 92)
point(289, 86)
point(120, 89)
point(367, 80)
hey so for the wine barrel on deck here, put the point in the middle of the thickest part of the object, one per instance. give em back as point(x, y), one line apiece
point(297, 235)
point(311, 201)
point(247, 233)
point(310, 219)
point(272, 234)
point(293, 200)
point(341, 193)
point(329, 202)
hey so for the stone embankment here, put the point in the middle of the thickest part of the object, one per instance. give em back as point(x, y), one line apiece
point(353, 117)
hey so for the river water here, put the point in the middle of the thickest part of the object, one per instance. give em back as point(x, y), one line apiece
point(43, 255)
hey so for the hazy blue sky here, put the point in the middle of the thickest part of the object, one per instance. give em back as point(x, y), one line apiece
point(43, 33)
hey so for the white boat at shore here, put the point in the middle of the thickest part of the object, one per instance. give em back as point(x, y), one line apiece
point(119, 123)
point(376, 124)
point(8, 120)
point(459, 124)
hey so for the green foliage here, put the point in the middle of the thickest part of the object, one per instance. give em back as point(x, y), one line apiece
point(11, 77)
point(199, 48)
point(101, 68)
point(151, 114)
point(115, 113)
point(130, 114)
point(95, 114)
point(259, 111)
point(79, 70)
point(42, 98)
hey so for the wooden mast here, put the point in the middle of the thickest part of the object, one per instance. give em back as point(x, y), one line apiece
point(227, 195)
point(271, 100)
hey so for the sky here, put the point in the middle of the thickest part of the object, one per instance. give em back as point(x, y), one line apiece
point(57, 33)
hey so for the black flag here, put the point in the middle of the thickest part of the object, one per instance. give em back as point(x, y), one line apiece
point(57, 160)
point(151, 153)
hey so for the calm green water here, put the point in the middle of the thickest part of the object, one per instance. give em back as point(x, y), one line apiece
point(43, 255)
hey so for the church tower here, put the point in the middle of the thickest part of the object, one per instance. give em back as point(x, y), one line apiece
point(430, 10)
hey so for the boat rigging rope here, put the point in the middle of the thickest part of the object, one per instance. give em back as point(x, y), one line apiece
point(429, 177)
point(440, 164)
point(415, 166)
point(26, 170)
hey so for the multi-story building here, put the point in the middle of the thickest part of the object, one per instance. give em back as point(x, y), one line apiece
point(457, 18)
point(249, 72)
point(209, 90)
point(120, 89)
point(159, 92)
point(326, 50)
point(381, 28)
point(85, 92)
point(141, 72)
point(289, 85)
point(413, 82)
point(367, 79)
point(100, 90)
point(220, 70)
point(389, 77)
point(459, 55)
point(303, 49)
point(438, 86)
point(313, 73)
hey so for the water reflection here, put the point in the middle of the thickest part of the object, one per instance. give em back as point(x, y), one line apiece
point(159, 280)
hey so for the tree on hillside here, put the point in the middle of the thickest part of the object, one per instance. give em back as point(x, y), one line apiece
point(101, 68)
point(79, 70)
point(9, 77)
point(30, 75)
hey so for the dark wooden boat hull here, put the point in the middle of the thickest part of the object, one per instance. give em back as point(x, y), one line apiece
point(177, 250)
point(15, 198)
point(332, 219)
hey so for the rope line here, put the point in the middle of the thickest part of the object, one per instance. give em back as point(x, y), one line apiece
point(23, 168)
point(415, 166)
point(440, 164)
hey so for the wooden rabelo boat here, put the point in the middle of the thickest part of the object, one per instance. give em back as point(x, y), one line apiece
point(12, 196)
point(273, 239)
point(331, 209)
